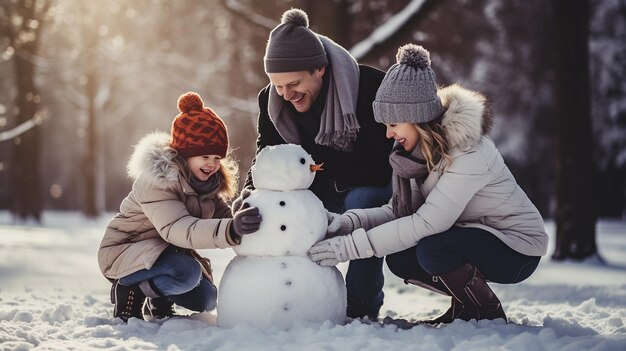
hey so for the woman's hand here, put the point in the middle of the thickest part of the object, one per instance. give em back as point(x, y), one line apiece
point(344, 248)
point(341, 224)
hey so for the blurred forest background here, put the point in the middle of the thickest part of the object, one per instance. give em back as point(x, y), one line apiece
point(82, 80)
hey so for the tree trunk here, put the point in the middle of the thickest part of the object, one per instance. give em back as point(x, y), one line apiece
point(330, 19)
point(575, 213)
point(90, 155)
point(26, 199)
point(25, 176)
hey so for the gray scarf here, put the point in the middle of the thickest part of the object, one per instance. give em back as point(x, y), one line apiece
point(206, 187)
point(406, 166)
point(338, 125)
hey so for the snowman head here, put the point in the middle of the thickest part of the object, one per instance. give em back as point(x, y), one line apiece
point(283, 167)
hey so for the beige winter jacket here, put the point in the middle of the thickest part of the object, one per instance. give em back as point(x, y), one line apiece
point(476, 190)
point(161, 210)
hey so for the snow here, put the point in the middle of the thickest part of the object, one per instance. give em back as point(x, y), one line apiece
point(53, 297)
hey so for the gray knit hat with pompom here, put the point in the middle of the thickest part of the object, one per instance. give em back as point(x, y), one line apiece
point(292, 46)
point(408, 93)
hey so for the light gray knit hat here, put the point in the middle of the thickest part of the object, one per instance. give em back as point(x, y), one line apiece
point(292, 46)
point(408, 93)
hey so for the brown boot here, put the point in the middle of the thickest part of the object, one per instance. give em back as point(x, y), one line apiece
point(474, 298)
point(434, 284)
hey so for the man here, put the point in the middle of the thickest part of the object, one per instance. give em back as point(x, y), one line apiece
point(321, 99)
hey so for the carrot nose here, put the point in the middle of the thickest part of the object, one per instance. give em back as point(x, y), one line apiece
point(315, 168)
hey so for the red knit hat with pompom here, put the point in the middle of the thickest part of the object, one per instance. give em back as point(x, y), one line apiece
point(198, 130)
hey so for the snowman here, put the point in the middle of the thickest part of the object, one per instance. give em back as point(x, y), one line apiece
point(271, 282)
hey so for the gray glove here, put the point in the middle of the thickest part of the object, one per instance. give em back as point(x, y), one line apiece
point(341, 224)
point(236, 205)
point(343, 248)
point(246, 221)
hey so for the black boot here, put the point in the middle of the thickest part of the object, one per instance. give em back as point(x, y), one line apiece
point(434, 284)
point(158, 308)
point(474, 299)
point(128, 301)
point(360, 310)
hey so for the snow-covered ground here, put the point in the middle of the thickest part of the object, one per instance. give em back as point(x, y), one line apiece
point(52, 297)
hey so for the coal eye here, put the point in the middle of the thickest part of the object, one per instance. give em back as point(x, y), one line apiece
point(302, 160)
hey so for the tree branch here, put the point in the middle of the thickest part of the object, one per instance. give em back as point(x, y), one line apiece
point(249, 15)
point(21, 128)
point(387, 30)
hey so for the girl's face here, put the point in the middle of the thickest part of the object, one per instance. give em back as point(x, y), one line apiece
point(404, 133)
point(204, 166)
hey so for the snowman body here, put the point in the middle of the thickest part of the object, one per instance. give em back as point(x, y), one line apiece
point(271, 282)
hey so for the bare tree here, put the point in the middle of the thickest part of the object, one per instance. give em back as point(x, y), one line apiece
point(24, 22)
point(575, 214)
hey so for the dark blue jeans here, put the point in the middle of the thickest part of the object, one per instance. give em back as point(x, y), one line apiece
point(444, 252)
point(364, 279)
point(178, 276)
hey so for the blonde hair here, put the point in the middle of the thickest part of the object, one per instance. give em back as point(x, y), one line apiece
point(432, 141)
point(230, 176)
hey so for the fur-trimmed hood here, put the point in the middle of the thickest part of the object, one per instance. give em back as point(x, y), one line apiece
point(153, 159)
point(467, 116)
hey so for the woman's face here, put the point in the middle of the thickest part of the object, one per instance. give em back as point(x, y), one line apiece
point(404, 133)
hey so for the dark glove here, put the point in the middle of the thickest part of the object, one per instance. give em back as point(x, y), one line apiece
point(246, 221)
point(236, 205)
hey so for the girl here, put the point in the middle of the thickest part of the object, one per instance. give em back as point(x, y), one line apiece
point(457, 218)
point(176, 205)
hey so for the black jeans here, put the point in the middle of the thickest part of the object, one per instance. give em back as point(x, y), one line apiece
point(444, 252)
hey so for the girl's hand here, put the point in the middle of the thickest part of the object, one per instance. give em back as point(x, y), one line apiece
point(247, 220)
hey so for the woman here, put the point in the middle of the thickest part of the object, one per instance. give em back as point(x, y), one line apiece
point(457, 218)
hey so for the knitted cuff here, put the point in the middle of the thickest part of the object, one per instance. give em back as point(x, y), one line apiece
point(362, 243)
point(235, 239)
point(356, 221)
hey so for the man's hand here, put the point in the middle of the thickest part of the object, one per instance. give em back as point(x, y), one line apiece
point(344, 248)
point(247, 220)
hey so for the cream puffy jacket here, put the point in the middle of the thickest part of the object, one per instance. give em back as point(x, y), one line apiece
point(161, 210)
point(475, 190)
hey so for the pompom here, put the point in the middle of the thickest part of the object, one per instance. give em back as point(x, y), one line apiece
point(413, 55)
point(295, 16)
point(190, 102)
